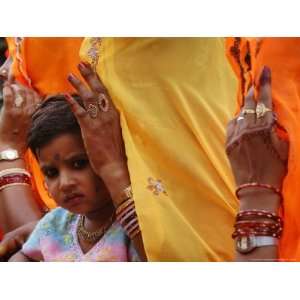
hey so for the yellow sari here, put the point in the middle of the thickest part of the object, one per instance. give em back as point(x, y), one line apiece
point(175, 96)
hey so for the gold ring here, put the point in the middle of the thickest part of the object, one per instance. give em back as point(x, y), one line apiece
point(19, 100)
point(261, 110)
point(92, 111)
point(103, 102)
point(246, 111)
point(4, 72)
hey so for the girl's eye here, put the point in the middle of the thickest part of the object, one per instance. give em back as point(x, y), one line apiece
point(80, 164)
point(50, 172)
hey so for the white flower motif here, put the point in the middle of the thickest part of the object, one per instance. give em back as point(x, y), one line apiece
point(156, 186)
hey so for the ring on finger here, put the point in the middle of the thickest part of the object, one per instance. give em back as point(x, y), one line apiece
point(4, 72)
point(103, 102)
point(38, 105)
point(92, 110)
point(19, 100)
point(246, 111)
point(240, 118)
point(261, 110)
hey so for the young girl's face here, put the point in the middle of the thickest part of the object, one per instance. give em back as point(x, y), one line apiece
point(69, 176)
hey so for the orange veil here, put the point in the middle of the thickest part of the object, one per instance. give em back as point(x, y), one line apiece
point(247, 57)
point(44, 64)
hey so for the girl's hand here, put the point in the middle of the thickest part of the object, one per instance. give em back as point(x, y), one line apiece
point(14, 240)
point(255, 151)
point(19, 104)
point(100, 128)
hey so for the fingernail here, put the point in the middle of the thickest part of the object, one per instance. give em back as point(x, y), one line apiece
point(85, 64)
point(71, 77)
point(68, 96)
point(265, 76)
point(82, 66)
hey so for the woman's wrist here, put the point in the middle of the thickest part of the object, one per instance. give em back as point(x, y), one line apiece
point(259, 198)
point(116, 178)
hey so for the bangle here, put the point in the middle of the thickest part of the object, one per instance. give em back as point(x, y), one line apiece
point(134, 231)
point(257, 227)
point(127, 217)
point(258, 214)
point(14, 171)
point(256, 184)
point(13, 180)
point(124, 205)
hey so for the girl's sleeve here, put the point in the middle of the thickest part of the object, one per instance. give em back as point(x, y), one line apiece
point(32, 247)
point(132, 253)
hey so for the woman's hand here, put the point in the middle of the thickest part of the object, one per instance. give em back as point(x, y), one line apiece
point(255, 151)
point(101, 131)
point(14, 240)
point(19, 103)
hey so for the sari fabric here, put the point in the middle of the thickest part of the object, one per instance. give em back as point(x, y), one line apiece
point(175, 96)
point(44, 64)
point(282, 56)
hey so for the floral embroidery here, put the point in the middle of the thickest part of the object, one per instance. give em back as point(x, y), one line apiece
point(94, 51)
point(156, 186)
point(68, 239)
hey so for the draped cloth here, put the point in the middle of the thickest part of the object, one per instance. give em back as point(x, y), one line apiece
point(175, 97)
point(247, 57)
point(44, 64)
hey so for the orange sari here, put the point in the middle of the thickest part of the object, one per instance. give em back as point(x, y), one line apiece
point(44, 64)
point(247, 57)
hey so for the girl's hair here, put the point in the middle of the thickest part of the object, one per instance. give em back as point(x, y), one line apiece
point(53, 118)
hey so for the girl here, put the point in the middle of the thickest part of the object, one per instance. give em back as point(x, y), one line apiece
point(81, 154)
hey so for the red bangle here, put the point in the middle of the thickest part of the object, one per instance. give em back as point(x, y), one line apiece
point(14, 179)
point(258, 214)
point(256, 184)
point(252, 224)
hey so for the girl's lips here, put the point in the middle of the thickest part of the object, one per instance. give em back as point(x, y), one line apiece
point(74, 200)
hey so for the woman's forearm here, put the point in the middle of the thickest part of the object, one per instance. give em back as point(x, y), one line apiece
point(116, 178)
point(17, 203)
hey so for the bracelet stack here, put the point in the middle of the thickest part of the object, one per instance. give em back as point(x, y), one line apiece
point(126, 215)
point(257, 228)
point(254, 222)
point(13, 177)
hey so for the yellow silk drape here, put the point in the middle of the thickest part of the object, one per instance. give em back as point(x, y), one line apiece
point(176, 96)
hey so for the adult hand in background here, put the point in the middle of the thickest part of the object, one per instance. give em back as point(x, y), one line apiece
point(101, 130)
point(19, 103)
point(255, 151)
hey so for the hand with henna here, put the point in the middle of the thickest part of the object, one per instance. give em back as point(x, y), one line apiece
point(258, 155)
point(101, 130)
point(15, 117)
point(255, 151)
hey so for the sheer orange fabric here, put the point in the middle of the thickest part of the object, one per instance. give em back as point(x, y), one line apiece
point(44, 64)
point(282, 55)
